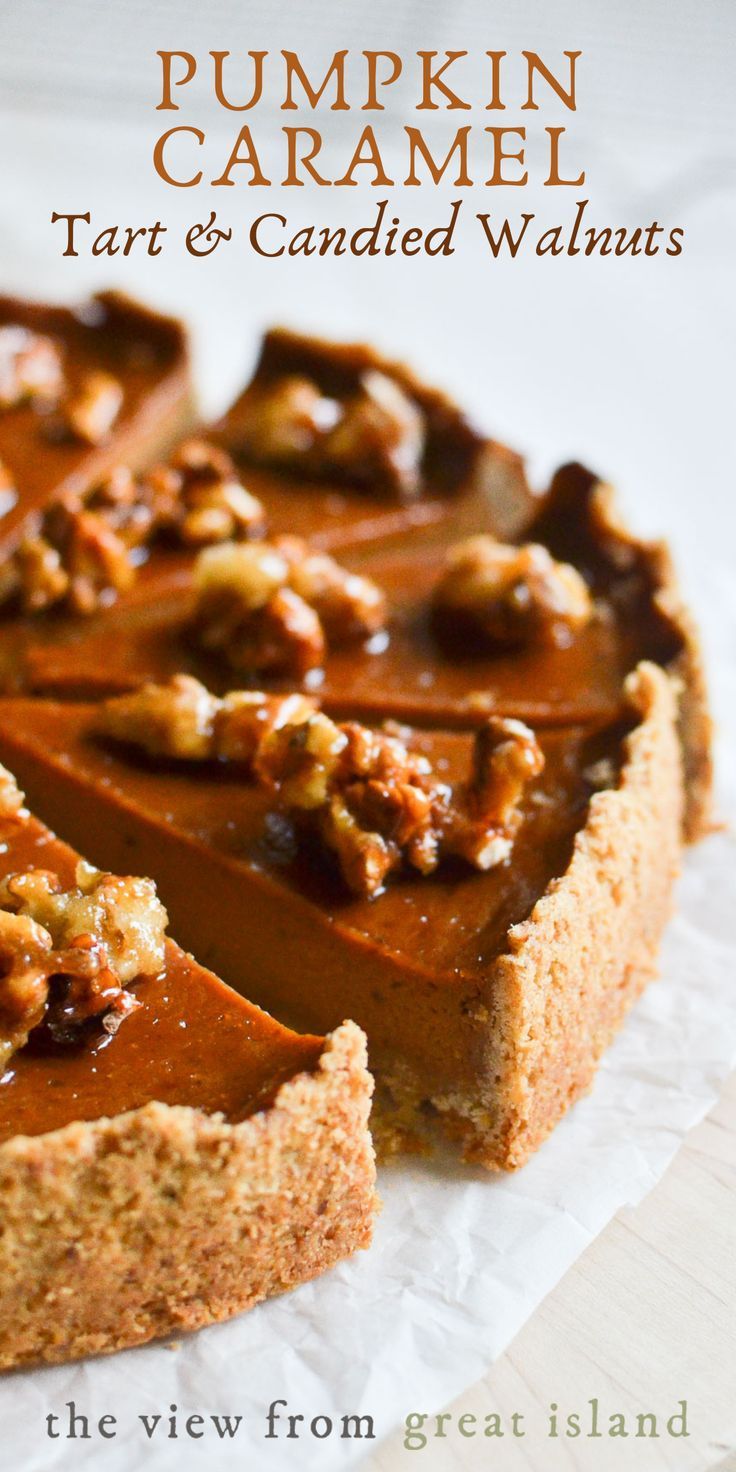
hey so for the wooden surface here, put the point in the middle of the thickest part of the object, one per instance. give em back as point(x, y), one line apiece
point(644, 1319)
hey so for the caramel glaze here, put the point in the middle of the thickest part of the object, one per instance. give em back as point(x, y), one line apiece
point(423, 675)
point(193, 1041)
point(255, 903)
point(145, 352)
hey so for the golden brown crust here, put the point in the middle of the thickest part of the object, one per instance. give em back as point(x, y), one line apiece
point(163, 1219)
point(574, 968)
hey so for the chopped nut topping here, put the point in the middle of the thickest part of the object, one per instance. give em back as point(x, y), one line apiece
point(69, 955)
point(183, 720)
point(38, 579)
point(284, 422)
point(513, 595)
point(95, 559)
point(379, 439)
point(91, 412)
point(370, 799)
point(375, 437)
point(80, 552)
point(11, 797)
point(30, 368)
point(201, 498)
point(274, 606)
point(377, 805)
point(77, 559)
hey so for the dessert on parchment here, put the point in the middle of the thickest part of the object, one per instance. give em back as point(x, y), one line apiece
point(486, 713)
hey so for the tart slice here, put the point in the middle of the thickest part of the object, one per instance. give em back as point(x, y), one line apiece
point(345, 447)
point(486, 905)
point(169, 1154)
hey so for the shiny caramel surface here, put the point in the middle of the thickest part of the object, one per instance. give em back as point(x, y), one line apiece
point(193, 1041)
point(416, 672)
point(209, 820)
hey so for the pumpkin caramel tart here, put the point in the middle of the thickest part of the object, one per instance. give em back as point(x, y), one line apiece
point(484, 898)
point(169, 1154)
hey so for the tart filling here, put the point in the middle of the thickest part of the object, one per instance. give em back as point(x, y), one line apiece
point(444, 969)
point(194, 1120)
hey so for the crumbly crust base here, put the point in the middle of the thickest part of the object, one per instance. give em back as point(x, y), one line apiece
point(560, 993)
point(165, 1219)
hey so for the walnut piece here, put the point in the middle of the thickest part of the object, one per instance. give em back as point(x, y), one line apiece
point(90, 412)
point(276, 606)
point(11, 797)
point(378, 805)
point(84, 551)
point(373, 437)
point(512, 595)
point(283, 423)
point(70, 955)
point(181, 719)
point(30, 368)
point(379, 438)
point(201, 499)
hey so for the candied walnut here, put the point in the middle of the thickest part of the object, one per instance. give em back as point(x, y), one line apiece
point(90, 413)
point(377, 805)
point(11, 797)
point(283, 423)
point(349, 606)
point(181, 719)
point(69, 955)
point(173, 720)
point(95, 559)
point(506, 757)
point(379, 438)
point(127, 506)
point(85, 565)
point(512, 595)
point(374, 437)
point(38, 578)
point(30, 368)
point(25, 958)
point(200, 497)
point(274, 606)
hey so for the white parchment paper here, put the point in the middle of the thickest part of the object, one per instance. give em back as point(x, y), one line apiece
point(628, 364)
point(459, 1261)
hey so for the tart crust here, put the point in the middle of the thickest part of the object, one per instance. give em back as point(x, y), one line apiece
point(554, 1001)
point(166, 1218)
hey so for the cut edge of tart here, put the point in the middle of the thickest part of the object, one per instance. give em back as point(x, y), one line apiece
point(167, 1216)
point(494, 1046)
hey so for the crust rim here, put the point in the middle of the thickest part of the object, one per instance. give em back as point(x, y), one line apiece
point(165, 1218)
